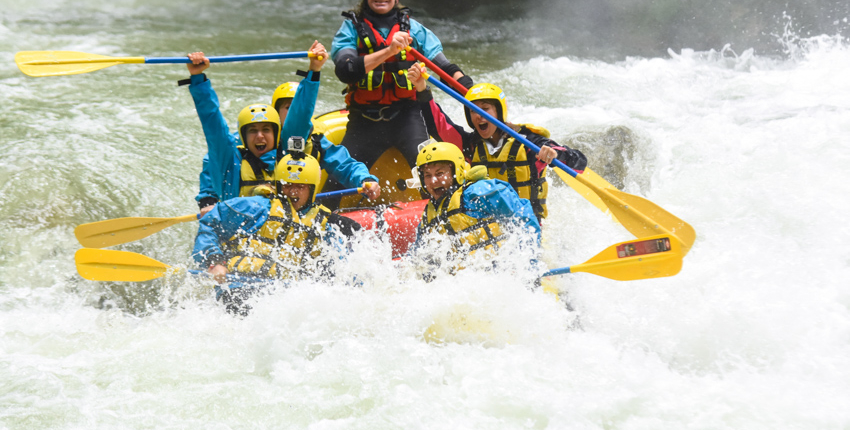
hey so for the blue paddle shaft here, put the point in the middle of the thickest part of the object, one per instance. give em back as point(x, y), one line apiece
point(339, 193)
point(231, 277)
point(553, 272)
point(500, 124)
point(228, 58)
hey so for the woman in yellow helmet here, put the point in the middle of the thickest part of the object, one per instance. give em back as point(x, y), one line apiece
point(369, 55)
point(505, 157)
point(281, 237)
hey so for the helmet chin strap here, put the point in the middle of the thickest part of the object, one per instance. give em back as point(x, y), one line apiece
point(311, 198)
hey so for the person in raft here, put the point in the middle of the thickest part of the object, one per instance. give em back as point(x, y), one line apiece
point(505, 157)
point(473, 211)
point(369, 55)
point(282, 237)
point(242, 163)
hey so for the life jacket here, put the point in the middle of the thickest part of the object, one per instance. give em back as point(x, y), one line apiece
point(387, 83)
point(253, 170)
point(468, 234)
point(283, 247)
point(252, 173)
point(512, 165)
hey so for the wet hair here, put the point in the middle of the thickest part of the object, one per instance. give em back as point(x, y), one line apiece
point(364, 5)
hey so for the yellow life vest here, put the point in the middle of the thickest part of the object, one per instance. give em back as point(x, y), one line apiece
point(512, 165)
point(467, 233)
point(283, 246)
point(252, 173)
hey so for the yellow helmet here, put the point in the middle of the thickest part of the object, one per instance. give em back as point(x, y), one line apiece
point(444, 152)
point(299, 170)
point(286, 90)
point(488, 92)
point(258, 113)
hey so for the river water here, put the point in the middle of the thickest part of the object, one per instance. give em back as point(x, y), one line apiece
point(748, 147)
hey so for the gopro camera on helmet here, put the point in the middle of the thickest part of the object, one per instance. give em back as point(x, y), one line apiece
point(295, 144)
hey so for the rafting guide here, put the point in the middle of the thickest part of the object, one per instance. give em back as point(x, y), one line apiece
point(370, 57)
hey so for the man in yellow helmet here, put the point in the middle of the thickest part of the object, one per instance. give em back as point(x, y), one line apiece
point(242, 163)
point(505, 157)
point(474, 212)
point(281, 237)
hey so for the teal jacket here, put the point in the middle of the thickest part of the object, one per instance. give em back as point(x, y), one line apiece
point(424, 40)
point(225, 160)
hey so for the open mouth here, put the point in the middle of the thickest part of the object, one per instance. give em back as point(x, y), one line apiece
point(483, 126)
point(260, 146)
point(439, 191)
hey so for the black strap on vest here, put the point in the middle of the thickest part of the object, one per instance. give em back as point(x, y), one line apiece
point(508, 166)
point(309, 243)
point(444, 216)
point(491, 239)
point(361, 28)
point(404, 19)
point(512, 171)
point(364, 32)
point(257, 165)
point(267, 263)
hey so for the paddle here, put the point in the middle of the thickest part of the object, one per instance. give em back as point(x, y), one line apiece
point(638, 215)
point(61, 63)
point(650, 257)
point(125, 266)
point(122, 230)
point(436, 69)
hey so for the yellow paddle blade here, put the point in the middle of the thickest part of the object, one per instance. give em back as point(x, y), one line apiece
point(641, 217)
point(111, 265)
point(650, 257)
point(122, 230)
point(584, 191)
point(679, 228)
point(60, 63)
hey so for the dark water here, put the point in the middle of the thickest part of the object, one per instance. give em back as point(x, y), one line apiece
point(612, 29)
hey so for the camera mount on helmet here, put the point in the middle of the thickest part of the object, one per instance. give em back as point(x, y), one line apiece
point(295, 146)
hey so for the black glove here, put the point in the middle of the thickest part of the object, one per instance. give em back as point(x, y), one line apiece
point(466, 81)
point(207, 201)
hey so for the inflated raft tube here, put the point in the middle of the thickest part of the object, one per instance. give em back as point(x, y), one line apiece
point(399, 220)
